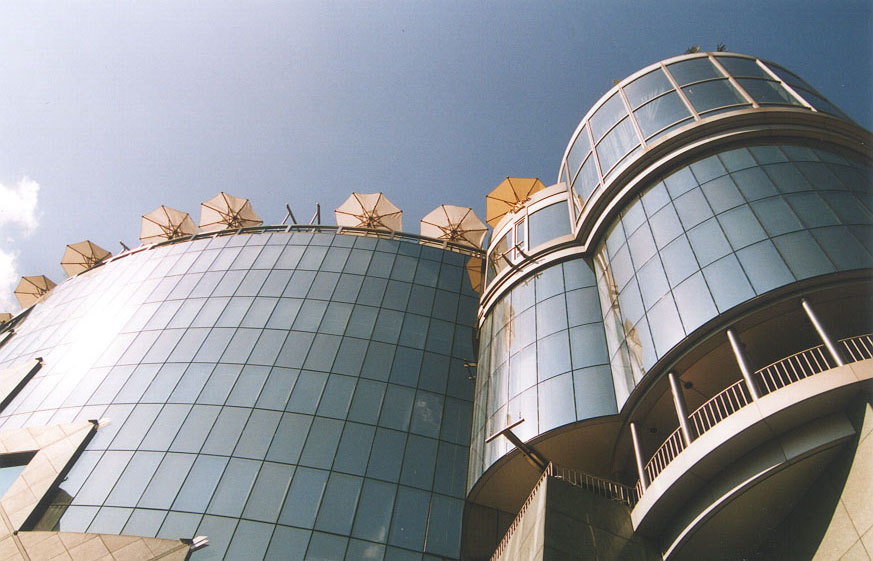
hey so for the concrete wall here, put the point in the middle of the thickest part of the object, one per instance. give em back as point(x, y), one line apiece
point(565, 523)
point(834, 521)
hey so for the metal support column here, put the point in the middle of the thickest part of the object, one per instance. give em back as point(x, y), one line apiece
point(681, 409)
point(638, 454)
point(743, 364)
point(832, 349)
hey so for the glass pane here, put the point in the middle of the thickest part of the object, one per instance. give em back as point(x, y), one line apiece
point(557, 403)
point(693, 70)
point(410, 518)
point(580, 149)
point(549, 223)
point(166, 482)
point(764, 266)
point(594, 392)
point(646, 87)
point(708, 242)
point(321, 443)
point(587, 180)
point(288, 442)
point(743, 67)
point(765, 91)
point(387, 456)
point(354, 449)
point(374, 512)
point(661, 113)
point(803, 255)
point(444, 528)
point(728, 283)
point(711, 95)
point(694, 302)
point(669, 331)
point(269, 492)
point(304, 497)
point(616, 144)
point(200, 484)
point(338, 506)
point(607, 115)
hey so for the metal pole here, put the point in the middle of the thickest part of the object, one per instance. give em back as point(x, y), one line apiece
point(681, 410)
point(741, 362)
point(821, 332)
point(638, 454)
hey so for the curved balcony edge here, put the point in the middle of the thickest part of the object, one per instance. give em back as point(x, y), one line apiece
point(758, 422)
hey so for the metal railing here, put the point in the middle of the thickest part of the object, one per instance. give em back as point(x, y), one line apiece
point(597, 485)
point(721, 405)
point(665, 454)
point(857, 348)
point(794, 368)
point(324, 228)
point(772, 377)
point(501, 547)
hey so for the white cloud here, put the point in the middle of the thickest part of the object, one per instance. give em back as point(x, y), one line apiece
point(19, 217)
point(18, 206)
point(9, 278)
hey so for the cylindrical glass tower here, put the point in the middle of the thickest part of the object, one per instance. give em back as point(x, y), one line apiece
point(704, 193)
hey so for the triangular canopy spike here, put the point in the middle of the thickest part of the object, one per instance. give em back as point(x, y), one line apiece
point(224, 212)
point(369, 210)
point(165, 223)
point(79, 257)
point(509, 197)
point(30, 289)
point(457, 224)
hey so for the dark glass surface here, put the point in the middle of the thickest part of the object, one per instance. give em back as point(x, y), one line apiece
point(278, 397)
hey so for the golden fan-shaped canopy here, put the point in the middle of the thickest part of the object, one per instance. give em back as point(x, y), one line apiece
point(510, 196)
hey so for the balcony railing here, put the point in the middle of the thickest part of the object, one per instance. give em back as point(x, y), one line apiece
point(794, 368)
point(501, 547)
point(598, 485)
point(857, 348)
point(665, 454)
point(723, 404)
point(771, 378)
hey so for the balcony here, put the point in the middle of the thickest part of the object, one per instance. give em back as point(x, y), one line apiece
point(782, 396)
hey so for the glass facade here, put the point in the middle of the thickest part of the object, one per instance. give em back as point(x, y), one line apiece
point(289, 395)
point(542, 358)
point(743, 208)
point(664, 97)
point(719, 232)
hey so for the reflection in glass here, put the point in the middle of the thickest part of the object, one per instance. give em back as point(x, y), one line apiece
point(706, 96)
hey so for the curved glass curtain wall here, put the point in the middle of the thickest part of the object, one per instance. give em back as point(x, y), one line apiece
point(542, 357)
point(285, 394)
point(719, 232)
point(667, 96)
point(529, 230)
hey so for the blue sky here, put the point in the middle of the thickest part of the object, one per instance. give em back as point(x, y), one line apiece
point(109, 109)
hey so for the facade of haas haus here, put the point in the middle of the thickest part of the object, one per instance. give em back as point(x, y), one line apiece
point(668, 357)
